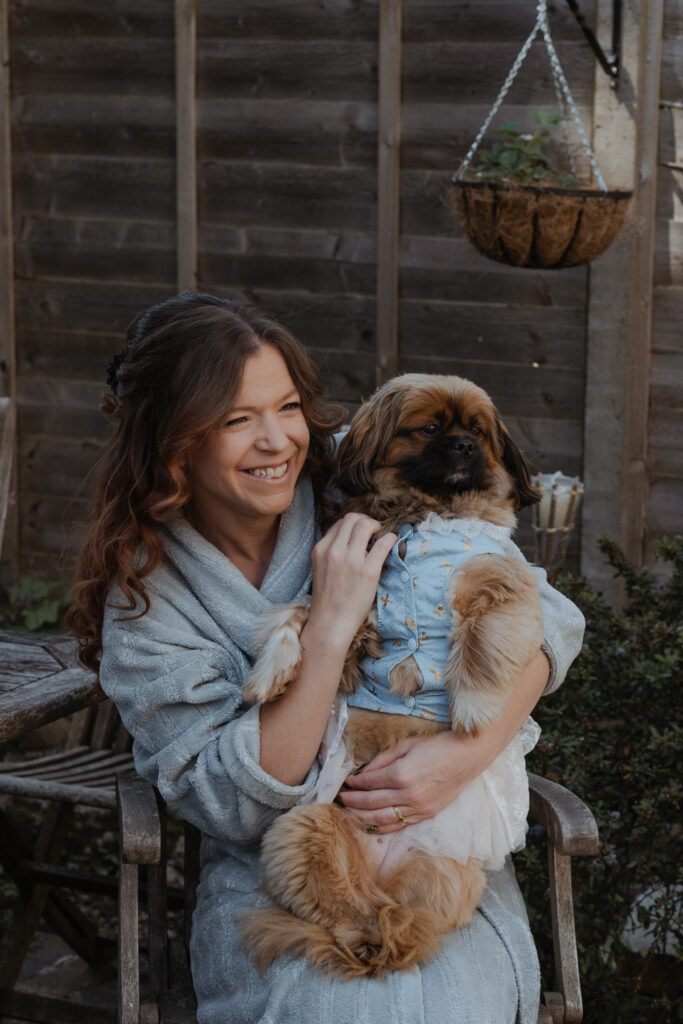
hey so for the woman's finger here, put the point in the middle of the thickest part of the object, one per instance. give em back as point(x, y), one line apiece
point(341, 530)
point(381, 760)
point(370, 800)
point(392, 776)
point(386, 820)
point(380, 550)
point(356, 527)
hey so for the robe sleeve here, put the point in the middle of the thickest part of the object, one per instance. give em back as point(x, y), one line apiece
point(180, 697)
point(563, 624)
point(563, 628)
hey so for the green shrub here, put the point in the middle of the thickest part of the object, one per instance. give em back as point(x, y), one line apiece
point(612, 734)
point(33, 604)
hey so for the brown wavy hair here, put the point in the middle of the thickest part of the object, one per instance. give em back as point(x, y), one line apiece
point(174, 382)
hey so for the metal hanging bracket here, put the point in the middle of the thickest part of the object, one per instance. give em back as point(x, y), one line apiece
point(610, 64)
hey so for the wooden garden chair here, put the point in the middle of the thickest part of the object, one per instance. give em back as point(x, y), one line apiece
point(84, 772)
point(568, 823)
point(97, 749)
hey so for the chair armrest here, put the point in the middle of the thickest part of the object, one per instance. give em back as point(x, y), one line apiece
point(141, 841)
point(140, 827)
point(568, 821)
point(571, 830)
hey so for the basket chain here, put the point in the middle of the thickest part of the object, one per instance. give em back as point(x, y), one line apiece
point(564, 85)
point(565, 129)
point(561, 88)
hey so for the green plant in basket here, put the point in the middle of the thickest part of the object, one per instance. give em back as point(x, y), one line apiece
point(521, 157)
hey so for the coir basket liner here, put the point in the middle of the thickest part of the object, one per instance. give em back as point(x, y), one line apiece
point(538, 225)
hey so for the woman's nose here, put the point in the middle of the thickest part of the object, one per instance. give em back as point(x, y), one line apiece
point(272, 437)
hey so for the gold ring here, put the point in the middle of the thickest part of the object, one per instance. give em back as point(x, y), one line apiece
point(371, 828)
point(400, 816)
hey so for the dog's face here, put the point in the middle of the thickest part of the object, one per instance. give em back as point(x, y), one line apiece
point(436, 436)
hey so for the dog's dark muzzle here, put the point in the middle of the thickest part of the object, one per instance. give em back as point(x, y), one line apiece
point(447, 465)
point(466, 459)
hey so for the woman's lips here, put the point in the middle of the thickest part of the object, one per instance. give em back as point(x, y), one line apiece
point(278, 472)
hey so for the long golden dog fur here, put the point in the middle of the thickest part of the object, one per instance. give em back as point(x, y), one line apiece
point(333, 905)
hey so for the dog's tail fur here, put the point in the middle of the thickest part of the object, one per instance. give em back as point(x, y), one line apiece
point(404, 937)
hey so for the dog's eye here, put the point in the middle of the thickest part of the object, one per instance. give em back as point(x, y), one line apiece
point(477, 431)
point(430, 430)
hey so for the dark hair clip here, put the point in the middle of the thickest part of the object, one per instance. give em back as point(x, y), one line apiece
point(113, 369)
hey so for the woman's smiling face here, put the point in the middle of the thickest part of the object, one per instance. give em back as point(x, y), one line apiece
point(249, 466)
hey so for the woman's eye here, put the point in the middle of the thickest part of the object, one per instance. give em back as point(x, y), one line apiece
point(290, 406)
point(430, 430)
point(236, 422)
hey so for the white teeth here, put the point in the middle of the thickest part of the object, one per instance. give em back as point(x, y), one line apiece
point(271, 472)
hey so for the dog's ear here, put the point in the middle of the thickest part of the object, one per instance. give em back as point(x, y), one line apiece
point(515, 463)
point(367, 442)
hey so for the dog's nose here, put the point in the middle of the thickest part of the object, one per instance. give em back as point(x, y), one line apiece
point(464, 445)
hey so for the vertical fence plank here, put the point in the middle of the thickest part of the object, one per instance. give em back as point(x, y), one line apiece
point(6, 229)
point(636, 470)
point(388, 186)
point(186, 154)
point(619, 309)
point(7, 333)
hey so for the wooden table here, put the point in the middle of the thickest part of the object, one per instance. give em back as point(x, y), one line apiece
point(40, 681)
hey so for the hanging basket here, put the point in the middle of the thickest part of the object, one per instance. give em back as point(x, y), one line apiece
point(538, 225)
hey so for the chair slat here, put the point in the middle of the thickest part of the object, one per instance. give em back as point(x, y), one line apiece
point(123, 741)
point(103, 776)
point(67, 760)
point(106, 721)
point(37, 789)
point(106, 762)
point(20, 767)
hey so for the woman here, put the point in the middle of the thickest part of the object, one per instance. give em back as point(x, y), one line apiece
point(205, 515)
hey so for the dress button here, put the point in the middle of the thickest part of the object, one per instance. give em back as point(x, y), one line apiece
point(405, 576)
point(412, 644)
point(411, 702)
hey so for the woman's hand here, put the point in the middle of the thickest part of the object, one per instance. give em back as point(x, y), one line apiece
point(345, 578)
point(422, 775)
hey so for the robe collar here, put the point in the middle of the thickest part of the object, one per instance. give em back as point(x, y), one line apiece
point(227, 595)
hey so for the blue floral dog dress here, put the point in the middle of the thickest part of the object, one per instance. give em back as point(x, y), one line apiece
point(412, 611)
point(488, 819)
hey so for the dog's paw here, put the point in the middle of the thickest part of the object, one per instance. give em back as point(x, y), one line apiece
point(406, 678)
point(276, 638)
point(497, 630)
point(365, 643)
point(487, 581)
point(472, 711)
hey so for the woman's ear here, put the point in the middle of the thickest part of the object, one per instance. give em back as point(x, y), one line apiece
point(366, 443)
point(515, 463)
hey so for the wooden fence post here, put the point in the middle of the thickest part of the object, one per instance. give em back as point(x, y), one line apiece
point(620, 302)
point(186, 148)
point(388, 186)
point(7, 332)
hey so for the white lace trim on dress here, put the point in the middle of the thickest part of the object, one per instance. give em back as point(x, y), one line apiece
point(469, 527)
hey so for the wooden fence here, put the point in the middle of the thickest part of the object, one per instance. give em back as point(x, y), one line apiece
point(285, 213)
point(665, 427)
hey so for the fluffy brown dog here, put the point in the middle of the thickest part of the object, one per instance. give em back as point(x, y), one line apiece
point(422, 444)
